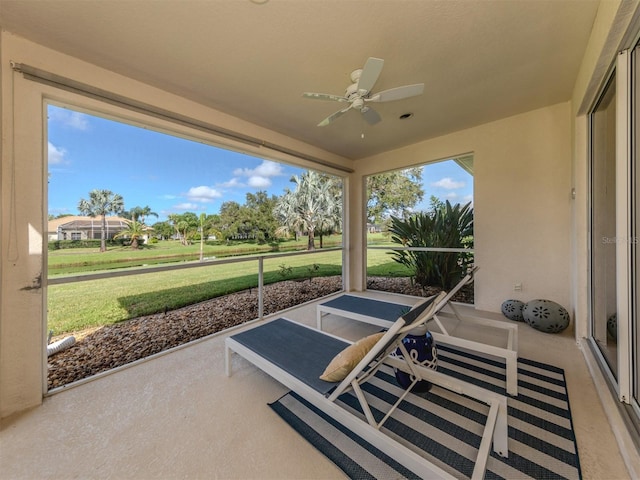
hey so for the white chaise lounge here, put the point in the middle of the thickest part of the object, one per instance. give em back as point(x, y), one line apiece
point(296, 355)
point(383, 314)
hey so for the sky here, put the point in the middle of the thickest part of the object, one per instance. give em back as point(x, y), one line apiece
point(173, 175)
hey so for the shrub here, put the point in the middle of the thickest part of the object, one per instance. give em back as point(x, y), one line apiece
point(87, 243)
point(446, 227)
point(284, 271)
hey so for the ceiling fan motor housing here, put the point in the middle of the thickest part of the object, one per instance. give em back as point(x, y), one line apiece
point(352, 91)
point(357, 103)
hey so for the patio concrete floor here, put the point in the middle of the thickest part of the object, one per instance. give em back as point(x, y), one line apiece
point(178, 416)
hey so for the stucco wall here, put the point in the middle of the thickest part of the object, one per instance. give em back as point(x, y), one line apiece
point(522, 201)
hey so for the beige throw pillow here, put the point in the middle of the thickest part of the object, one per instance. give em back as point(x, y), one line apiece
point(348, 358)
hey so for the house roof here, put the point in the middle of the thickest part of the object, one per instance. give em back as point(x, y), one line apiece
point(479, 60)
point(76, 221)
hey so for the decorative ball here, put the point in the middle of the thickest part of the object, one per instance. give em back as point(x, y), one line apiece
point(612, 326)
point(546, 316)
point(512, 309)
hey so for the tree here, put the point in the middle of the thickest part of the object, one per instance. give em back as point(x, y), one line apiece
point(203, 218)
point(135, 231)
point(436, 204)
point(331, 222)
point(258, 210)
point(311, 206)
point(185, 225)
point(163, 229)
point(231, 224)
point(212, 226)
point(101, 203)
point(140, 213)
point(393, 193)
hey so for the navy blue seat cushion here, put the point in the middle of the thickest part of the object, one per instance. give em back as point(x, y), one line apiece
point(301, 351)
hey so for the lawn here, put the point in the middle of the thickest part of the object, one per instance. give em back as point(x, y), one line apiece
point(77, 306)
point(77, 260)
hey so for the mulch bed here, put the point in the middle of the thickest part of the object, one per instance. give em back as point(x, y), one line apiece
point(114, 345)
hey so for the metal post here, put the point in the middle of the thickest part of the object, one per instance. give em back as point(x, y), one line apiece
point(260, 285)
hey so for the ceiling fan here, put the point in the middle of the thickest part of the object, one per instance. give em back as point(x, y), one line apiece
point(359, 93)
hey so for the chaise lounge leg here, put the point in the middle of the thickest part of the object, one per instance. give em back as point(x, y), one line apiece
point(227, 360)
point(501, 432)
point(511, 366)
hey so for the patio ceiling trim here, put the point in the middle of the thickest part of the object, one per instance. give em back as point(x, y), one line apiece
point(58, 81)
point(466, 163)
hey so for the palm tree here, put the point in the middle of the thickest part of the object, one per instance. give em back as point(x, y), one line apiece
point(312, 206)
point(101, 203)
point(140, 213)
point(135, 231)
point(331, 194)
point(185, 225)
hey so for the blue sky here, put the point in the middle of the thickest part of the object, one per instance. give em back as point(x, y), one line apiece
point(174, 175)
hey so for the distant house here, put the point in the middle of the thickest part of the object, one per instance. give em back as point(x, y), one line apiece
point(374, 228)
point(83, 228)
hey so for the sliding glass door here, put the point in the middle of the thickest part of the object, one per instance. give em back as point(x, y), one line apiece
point(603, 226)
point(614, 231)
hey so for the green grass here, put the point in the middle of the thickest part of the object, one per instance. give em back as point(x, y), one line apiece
point(77, 306)
point(76, 260)
point(381, 264)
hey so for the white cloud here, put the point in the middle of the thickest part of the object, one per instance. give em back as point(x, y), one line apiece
point(259, 177)
point(451, 195)
point(186, 206)
point(259, 182)
point(56, 155)
point(233, 183)
point(78, 121)
point(448, 183)
point(265, 169)
point(203, 194)
point(69, 118)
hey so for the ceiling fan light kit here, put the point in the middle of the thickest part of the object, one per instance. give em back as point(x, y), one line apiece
point(359, 93)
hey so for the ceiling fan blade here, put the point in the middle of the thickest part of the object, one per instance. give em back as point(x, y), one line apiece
point(397, 93)
point(370, 74)
point(371, 116)
point(334, 116)
point(324, 96)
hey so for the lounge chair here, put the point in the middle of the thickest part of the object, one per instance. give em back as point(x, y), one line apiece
point(383, 314)
point(297, 355)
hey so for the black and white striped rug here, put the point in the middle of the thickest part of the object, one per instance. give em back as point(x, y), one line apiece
point(446, 428)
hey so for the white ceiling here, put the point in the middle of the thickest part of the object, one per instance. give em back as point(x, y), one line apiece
point(480, 60)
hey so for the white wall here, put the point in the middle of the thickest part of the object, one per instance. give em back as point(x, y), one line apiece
point(522, 202)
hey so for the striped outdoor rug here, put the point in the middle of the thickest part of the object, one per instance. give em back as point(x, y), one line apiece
point(446, 428)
